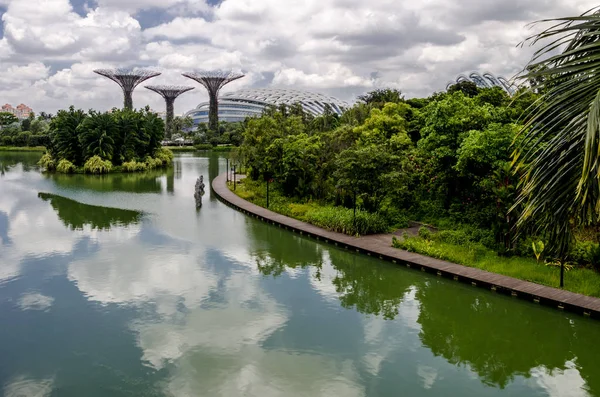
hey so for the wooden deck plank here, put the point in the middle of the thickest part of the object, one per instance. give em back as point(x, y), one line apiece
point(380, 245)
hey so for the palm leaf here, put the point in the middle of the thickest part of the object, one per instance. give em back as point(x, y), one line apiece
point(561, 147)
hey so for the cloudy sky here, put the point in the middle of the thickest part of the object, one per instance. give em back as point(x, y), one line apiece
point(48, 48)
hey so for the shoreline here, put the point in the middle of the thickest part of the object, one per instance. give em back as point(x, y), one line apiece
point(376, 246)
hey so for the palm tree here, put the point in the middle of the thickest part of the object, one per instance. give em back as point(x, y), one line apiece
point(96, 135)
point(559, 156)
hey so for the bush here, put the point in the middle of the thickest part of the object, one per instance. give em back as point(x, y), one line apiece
point(340, 219)
point(39, 140)
point(152, 163)
point(165, 155)
point(6, 141)
point(223, 148)
point(95, 165)
point(203, 146)
point(65, 166)
point(586, 253)
point(47, 162)
point(134, 166)
point(425, 233)
point(465, 236)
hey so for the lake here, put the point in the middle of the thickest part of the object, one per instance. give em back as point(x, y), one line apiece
point(119, 286)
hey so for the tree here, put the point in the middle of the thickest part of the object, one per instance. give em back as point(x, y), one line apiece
point(468, 88)
point(380, 97)
point(65, 136)
point(96, 134)
point(181, 124)
point(560, 149)
point(7, 119)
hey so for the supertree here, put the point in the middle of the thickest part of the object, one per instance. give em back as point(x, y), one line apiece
point(170, 93)
point(127, 79)
point(213, 81)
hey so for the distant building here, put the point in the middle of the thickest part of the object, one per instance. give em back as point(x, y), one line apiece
point(485, 80)
point(22, 111)
point(250, 102)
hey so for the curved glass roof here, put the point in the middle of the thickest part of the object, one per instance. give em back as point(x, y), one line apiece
point(252, 101)
point(484, 80)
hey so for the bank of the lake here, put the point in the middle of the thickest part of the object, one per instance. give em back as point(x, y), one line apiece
point(506, 271)
point(22, 149)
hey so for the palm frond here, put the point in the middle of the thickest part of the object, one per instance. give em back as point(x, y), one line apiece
point(561, 145)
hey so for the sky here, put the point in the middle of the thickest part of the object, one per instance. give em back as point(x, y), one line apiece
point(344, 48)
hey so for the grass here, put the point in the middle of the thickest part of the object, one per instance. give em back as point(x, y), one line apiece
point(181, 148)
point(581, 280)
point(337, 219)
point(22, 149)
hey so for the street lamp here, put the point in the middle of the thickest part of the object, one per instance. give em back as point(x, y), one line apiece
point(233, 173)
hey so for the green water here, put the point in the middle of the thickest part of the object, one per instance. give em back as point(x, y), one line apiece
point(119, 286)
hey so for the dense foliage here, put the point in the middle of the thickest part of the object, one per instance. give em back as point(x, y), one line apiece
point(444, 159)
point(95, 142)
point(31, 131)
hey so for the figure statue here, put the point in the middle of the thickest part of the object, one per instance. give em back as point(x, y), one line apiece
point(199, 191)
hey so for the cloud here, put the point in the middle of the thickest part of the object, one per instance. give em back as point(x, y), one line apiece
point(331, 46)
point(35, 301)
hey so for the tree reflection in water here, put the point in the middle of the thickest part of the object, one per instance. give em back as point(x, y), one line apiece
point(495, 336)
point(76, 215)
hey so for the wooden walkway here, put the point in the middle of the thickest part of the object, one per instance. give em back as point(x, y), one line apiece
point(379, 246)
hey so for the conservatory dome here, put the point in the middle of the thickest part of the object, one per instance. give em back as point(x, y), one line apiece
point(485, 80)
point(250, 102)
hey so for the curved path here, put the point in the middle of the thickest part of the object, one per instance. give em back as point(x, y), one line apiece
point(380, 246)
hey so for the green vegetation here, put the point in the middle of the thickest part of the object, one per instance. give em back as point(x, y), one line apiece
point(98, 143)
point(28, 134)
point(444, 160)
point(334, 218)
point(520, 172)
point(475, 254)
point(559, 154)
point(22, 148)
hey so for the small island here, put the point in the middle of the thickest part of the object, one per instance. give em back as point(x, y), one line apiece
point(98, 143)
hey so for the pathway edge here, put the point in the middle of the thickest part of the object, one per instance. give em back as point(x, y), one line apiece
point(540, 294)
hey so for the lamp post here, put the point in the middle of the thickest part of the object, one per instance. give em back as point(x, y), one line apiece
point(562, 275)
point(233, 170)
point(267, 193)
point(354, 220)
point(227, 168)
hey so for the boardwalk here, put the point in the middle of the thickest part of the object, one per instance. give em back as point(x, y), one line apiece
point(380, 246)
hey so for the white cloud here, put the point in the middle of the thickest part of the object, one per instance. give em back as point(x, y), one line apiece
point(323, 45)
point(23, 386)
point(35, 301)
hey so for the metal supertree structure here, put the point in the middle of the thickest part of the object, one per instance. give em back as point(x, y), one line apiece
point(213, 81)
point(127, 79)
point(169, 93)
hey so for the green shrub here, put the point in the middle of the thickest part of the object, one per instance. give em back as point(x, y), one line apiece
point(203, 146)
point(298, 210)
point(586, 253)
point(152, 163)
point(65, 166)
point(95, 165)
point(425, 233)
point(134, 166)
point(223, 148)
point(340, 219)
point(47, 162)
point(165, 155)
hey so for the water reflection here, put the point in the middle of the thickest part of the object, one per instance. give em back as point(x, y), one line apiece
point(158, 300)
point(146, 182)
point(27, 160)
point(499, 339)
point(76, 215)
